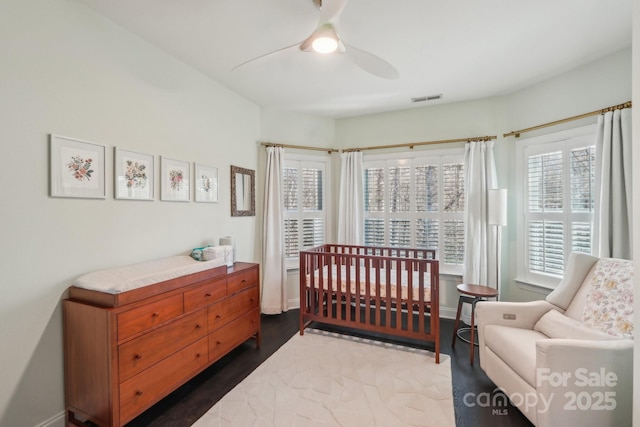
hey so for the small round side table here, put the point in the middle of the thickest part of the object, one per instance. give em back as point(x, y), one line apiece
point(470, 294)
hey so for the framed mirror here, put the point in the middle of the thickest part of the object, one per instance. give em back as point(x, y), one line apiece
point(243, 191)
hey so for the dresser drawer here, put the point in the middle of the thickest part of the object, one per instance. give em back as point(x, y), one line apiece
point(205, 294)
point(143, 390)
point(139, 319)
point(228, 309)
point(138, 354)
point(242, 280)
point(231, 335)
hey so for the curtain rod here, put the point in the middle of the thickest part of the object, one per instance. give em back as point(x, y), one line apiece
point(569, 119)
point(300, 147)
point(415, 144)
point(379, 147)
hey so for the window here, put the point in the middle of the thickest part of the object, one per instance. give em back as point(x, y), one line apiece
point(305, 209)
point(417, 202)
point(559, 193)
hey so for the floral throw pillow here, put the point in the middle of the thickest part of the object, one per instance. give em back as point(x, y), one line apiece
point(609, 304)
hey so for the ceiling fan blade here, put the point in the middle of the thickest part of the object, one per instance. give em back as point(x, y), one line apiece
point(330, 10)
point(372, 64)
point(296, 45)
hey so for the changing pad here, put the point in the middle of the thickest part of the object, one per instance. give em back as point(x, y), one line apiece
point(134, 276)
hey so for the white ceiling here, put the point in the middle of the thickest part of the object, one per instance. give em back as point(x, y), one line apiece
point(464, 49)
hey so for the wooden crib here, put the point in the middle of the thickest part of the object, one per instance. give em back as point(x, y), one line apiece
point(385, 290)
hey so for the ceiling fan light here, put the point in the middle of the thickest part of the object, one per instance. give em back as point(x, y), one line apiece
point(324, 44)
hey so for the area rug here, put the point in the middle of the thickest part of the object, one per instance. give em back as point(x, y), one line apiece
point(328, 379)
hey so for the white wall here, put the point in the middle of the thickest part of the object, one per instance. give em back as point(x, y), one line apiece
point(438, 122)
point(286, 127)
point(68, 71)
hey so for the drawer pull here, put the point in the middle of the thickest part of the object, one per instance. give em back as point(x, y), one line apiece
point(218, 316)
point(218, 342)
point(139, 393)
point(197, 355)
point(207, 295)
point(243, 281)
point(156, 314)
point(137, 356)
point(198, 326)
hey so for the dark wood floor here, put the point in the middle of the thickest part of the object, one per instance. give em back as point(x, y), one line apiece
point(183, 407)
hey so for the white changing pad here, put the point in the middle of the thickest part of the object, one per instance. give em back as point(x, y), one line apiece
point(134, 276)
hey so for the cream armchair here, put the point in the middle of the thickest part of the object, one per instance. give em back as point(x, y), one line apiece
point(566, 360)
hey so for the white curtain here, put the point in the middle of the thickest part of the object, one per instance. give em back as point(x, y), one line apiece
point(614, 210)
point(351, 210)
point(274, 273)
point(480, 238)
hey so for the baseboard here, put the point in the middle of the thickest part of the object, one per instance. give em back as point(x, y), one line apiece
point(293, 303)
point(55, 421)
point(447, 312)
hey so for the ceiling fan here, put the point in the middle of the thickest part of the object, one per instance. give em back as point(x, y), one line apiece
point(325, 40)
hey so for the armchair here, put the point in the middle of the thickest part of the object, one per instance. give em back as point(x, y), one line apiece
point(566, 360)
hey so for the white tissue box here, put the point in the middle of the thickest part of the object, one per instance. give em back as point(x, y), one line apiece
point(224, 253)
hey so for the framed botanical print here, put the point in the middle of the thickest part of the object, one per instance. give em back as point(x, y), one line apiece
point(205, 183)
point(134, 173)
point(175, 180)
point(77, 168)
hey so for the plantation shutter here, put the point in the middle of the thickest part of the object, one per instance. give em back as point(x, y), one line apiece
point(583, 177)
point(399, 203)
point(546, 189)
point(291, 233)
point(453, 202)
point(417, 203)
point(427, 185)
point(560, 203)
point(304, 186)
point(374, 190)
point(374, 232)
point(312, 191)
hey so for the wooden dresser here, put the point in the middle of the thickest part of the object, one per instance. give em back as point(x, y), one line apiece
point(125, 352)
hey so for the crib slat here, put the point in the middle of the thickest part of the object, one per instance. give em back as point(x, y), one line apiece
point(421, 302)
point(391, 271)
point(367, 291)
point(394, 302)
point(312, 289)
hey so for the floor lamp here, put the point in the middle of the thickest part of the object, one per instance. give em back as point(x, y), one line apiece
point(498, 217)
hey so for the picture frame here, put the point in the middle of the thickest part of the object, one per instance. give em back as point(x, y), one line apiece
point(133, 175)
point(205, 183)
point(175, 180)
point(77, 168)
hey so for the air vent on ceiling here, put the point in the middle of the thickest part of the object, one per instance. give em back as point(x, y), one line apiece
point(426, 98)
